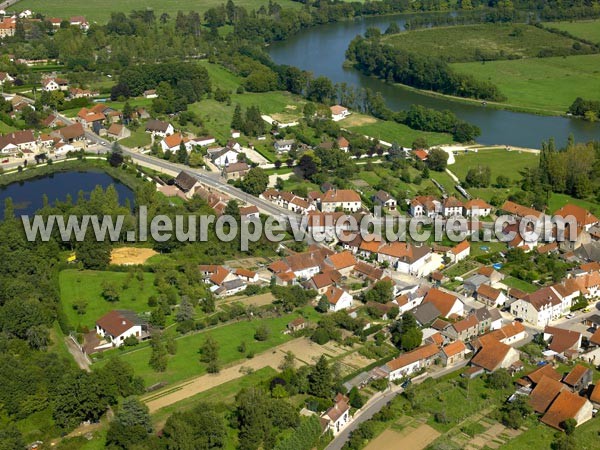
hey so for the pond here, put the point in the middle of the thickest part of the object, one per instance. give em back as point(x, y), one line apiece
point(27, 196)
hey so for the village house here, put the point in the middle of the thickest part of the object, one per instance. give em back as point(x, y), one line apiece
point(344, 199)
point(55, 84)
point(521, 211)
point(384, 200)
point(173, 142)
point(302, 265)
point(494, 355)
point(76, 92)
point(579, 378)
point(297, 324)
point(411, 362)
point(425, 206)
point(491, 274)
point(5, 78)
point(453, 353)
point(323, 281)
point(79, 21)
point(246, 275)
point(538, 308)
point(72, 133)
point(409, 300)
point(489, 319)
point(447, 304)
point(18, 141)
point(343, 144)
point(8, 26)
point(338, 299)
point(339, 112)
point(150, 93)
point(568, 406)
point(159, 128)
point(368, 272)
point(405, 257)
point(338, 416)
point(507, 334)
point(563, 342)
point(90, 119)
point(186, 182)
point(459, 252)
point(579, 230)
point(477, 208)
point(595, 395)
point(342, 262)
point(490, 296)
point(463, 330)
point(203, 141)
point(117, 325)
point(222, 156)
point(452, 207)
point(235, 171)
point(284, 145)
point(118, 131)
point(250, 212)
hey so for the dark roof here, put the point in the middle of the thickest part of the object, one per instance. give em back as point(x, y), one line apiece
point(157, 125)
point(116, 322)
point(426, 313)
point(185, 181)
point(72, 131)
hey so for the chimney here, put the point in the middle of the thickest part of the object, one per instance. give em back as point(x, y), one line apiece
point(123, 323)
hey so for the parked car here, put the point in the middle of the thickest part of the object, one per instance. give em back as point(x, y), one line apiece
point(570, 315)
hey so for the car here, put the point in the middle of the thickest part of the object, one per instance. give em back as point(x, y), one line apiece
point(405, 384)
point(570, 315)
point(518, 319)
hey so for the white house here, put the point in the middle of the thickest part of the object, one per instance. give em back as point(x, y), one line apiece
point(477, 208)
point(490, 296)
point(118, 325)
point(4, 77)
point(203, 141)
point(345, 199)
point(459, 252)
point(283, 145)
point(338, 299)
point(55, 84)
point(159, 128)
point(408, 363)
point(404, 257)
point(222, 157)
point(446, 303)
point(172, 143)
point(452, 207)
point(425, 206)
point(339, 112)
point(338, 416)
point(538, 308)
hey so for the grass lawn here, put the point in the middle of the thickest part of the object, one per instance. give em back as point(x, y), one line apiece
point(516, 283)
point(185, 363)
point(138, 138)
point(395, 132)
point(587, 29)
point(492, 247)
point(469, 42)
point(87, 285)
point(545, 84)
point(557, 201)
point(6, 128)
point(99, 10)
point(501, 162)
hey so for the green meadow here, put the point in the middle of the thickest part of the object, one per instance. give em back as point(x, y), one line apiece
point(585, 29)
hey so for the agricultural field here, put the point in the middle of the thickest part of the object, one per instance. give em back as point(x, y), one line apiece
point(588, 29)
point(472, 42)
point(547, 85)
point(86, 286)
point(185, 363)
point(99, 10)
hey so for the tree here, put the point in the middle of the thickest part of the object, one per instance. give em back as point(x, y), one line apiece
point(130, 426)
point(210, 354)
point(200, 428)
point(323, 305)
point(182, 155)
point(381, 292)
point(569, 426)
point(116, 155)
point(11, 438)
point(110, 291)
point(320, 379)
point(411, 339)
point(307, 167)
point(500, 379)
point(158, 357)
point(289, 361)
point(502, 181)
point(255, 182)
point(261, 333)
point(356, 400)
point(479, 176)
point(93, 254)
point(437, 160)
point(185, 311)
point(237, 121)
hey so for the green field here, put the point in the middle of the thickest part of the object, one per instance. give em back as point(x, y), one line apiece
point(86, 285)
point(99, 10)
point(544, 84)
point(500, 161)
point(138, 138)
point(394, 132)
point(471, 42)
point(186, 363)
point(588, 29)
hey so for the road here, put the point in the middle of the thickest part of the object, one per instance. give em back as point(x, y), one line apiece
point(373, 407)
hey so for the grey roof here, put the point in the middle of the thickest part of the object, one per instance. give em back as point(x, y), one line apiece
point(285, 142)
point(359, 379)
point(157, 125)
point(595, 319)
point(589, 252)
point(476, 280)
point(382, 196)
point(131, 316)
point(485, 313)
point(426, 313)
point(233, 284)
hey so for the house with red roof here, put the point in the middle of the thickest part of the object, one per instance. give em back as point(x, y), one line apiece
point(404, 257)
point(338, 299)
point(339, 112)
point(490, 296)
point(538, 308)
point(411, 362)
point(568, 406)
point(338, 416)
point(453, 353)
point(342, 262)
point(459, 252)
point(345, 199)
point(578, 222)
point(477, 208)
point(446, 303)
point(117, 325)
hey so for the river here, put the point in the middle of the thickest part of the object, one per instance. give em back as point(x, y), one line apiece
point(27, 196)
point(321, 50)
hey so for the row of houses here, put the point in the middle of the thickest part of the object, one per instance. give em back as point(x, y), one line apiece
point(29, 142)
point(431, 207)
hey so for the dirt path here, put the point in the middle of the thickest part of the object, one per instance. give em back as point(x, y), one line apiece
point(415, 439)
point(80, 358)
point(305, 350)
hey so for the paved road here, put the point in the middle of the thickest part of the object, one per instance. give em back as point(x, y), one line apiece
point(376, 405)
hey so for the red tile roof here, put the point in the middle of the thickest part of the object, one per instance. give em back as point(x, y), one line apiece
point(459, 248)
point(114, 323)
point(544, 394)
point(562, 339)
point(443, 301)
point(342, 260)
point(566, 406)
point(418, 354)
point(491, 355)
point(575, 375)
point(454, 348)
point(340, 195)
